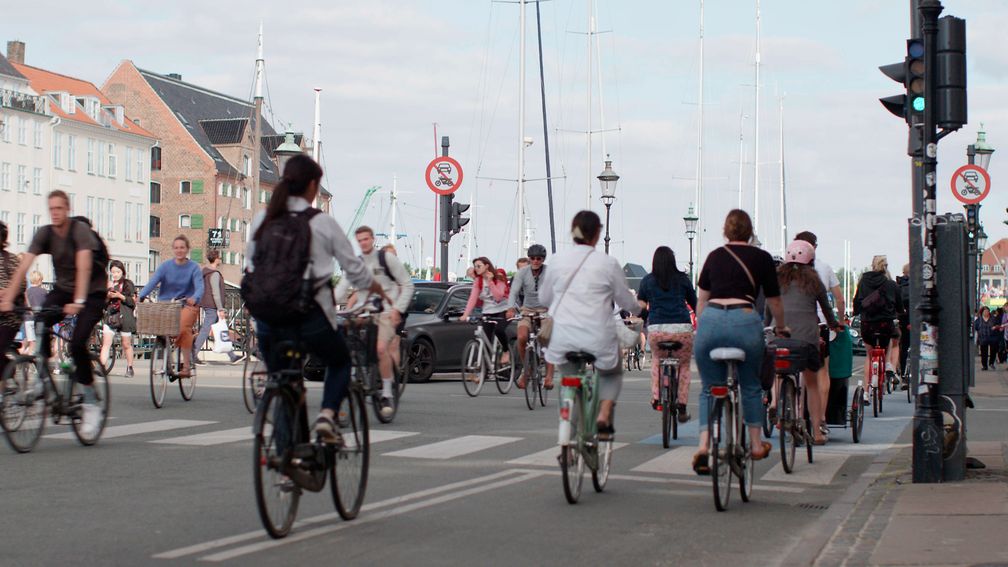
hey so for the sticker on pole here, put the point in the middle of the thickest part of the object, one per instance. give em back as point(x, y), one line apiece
point(971, 184)
point(444, 175)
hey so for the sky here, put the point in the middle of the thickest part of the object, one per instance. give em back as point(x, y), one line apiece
point(390, 70)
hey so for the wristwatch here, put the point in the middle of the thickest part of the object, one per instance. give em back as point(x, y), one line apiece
point(80, 301)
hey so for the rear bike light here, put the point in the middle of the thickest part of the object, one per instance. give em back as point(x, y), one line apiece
point(565, 413)
point(719, 391)
point(571, 381)
point(783, 352)
point(781, 364)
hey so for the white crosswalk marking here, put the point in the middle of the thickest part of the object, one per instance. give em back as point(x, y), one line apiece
point(454, 447)
point(548, 457)
point(821, 471)
point(676, 461)
point(379, 435)
point(139, 428)
point(211, 438)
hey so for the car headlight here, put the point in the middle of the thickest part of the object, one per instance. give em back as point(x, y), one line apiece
point(854, 334)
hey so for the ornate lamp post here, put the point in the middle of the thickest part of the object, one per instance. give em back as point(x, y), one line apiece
point(608, 179)
point(691, 221)
point(978, 153)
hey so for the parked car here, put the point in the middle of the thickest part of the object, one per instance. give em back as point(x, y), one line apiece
point(434, 336)
point(855, 333)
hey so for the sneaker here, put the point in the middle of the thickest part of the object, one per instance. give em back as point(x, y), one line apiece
point(326, 429)
point(385, 407)
point(129, 371)
point(684, 415)
point(91, 417)
point(199, 361)
point(235, 359)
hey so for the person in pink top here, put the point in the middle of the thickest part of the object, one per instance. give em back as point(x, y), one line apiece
point(490, 291)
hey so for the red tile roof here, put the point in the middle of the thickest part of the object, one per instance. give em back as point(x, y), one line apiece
point(44, 82)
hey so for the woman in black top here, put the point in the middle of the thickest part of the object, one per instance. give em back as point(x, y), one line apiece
point(9, 322)
point(119, 314)
point(877, 302)
point(731, 278)
point(987, 331)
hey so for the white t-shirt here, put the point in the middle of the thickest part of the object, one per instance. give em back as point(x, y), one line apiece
point(829, 279)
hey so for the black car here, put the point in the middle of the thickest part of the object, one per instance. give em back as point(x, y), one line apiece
point(434, 335)
point(855, 333)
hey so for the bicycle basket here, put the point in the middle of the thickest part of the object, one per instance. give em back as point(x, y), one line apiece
point(163, 319)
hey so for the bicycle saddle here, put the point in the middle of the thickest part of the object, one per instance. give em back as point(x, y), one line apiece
point(728, 353)
point(670, 345)
point(580, 357)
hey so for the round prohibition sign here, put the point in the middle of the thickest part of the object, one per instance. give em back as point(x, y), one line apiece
point(444, 175)
point(971, 184)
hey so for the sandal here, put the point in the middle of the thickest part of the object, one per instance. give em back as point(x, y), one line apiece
point(760, 455)
point(701, 466)
point(656, 404)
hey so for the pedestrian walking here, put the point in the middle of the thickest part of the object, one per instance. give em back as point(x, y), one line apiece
point(212, 305)
point(987, 338)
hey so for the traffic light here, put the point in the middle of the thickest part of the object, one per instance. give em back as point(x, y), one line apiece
point(950, 76)
point(457, 221)
point(910, 74)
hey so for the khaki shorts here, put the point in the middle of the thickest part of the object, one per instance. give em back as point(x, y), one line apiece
point(526, 320)
point(386, 331)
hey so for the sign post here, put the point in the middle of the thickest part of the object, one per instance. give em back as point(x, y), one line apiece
point(444, 177)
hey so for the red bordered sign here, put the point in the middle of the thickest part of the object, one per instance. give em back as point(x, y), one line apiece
point(444, 175)
point(971, 184)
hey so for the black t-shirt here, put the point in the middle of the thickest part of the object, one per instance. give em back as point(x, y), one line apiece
point(723, 276)
point(63, 249)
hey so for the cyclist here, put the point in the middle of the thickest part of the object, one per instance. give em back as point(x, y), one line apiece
point(9, 322)
point(802, 292)
point(668, 295)
point(35, 294)
point(78, 259)
point(524, 296)
point(212, 304)
point(120, 316)
point(903, 282)
point(319, 330)
point(877, 301)
point(179, 279)
point(388, 271)
point(731, 279)
point(580, 288)
point(491, 291)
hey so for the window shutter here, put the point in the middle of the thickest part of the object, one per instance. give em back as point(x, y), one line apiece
point(196, 255)
point(197, 187)
point(196, 221)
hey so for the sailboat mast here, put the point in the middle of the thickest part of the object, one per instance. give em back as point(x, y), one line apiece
point(472, 227)
point(588, 108)
point(257, 130)
point(783, 196)
point(741, 154)
point(756, 155)
point(698, 198)
point(521, 129)
point(317, 128)
point(598, 78)
point(549, 172)
point(392, 237)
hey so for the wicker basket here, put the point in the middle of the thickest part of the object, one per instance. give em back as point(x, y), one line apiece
point(161, 319)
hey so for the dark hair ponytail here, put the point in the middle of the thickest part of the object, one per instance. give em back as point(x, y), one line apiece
point(585, 227)
point(298, 173)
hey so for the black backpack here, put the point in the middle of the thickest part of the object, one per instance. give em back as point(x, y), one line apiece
point(280, 291)
point(99, 256)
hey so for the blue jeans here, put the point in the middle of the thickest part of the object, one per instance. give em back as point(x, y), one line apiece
point(209, 318)
point(738, 328)
point(321, 340)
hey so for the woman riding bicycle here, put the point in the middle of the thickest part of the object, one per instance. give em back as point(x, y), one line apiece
point(801, 291)
point(580, 288)
point(119, 315)
point(731, 278)
point(491, 291)
point(9, 322)
point(877, 302)
point(666, 292)
point(179, 279)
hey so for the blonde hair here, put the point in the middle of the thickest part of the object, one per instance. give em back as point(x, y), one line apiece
point(880, 264)
point(35, 278)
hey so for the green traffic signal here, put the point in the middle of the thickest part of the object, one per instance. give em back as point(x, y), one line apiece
point(918, 104)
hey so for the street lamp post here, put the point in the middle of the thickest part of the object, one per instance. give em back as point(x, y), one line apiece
point(691, 221)
point(978, 153)
point(608, 179)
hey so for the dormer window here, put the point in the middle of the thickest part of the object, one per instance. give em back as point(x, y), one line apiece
point(246, 166)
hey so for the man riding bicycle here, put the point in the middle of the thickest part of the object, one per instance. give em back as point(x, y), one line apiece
point(525, 297)
point(389, 272)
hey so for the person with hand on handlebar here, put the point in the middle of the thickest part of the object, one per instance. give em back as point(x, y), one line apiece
point(490, 290)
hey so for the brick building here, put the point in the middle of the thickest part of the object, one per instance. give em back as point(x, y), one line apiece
point(203, 172)
point(993, 282)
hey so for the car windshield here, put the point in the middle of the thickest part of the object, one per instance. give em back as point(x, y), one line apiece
point(426, 300)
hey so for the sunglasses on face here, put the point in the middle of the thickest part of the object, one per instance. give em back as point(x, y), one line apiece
point(540, 258)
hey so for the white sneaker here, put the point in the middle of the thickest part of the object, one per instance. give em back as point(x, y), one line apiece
point(91, 417)
point(387, 409)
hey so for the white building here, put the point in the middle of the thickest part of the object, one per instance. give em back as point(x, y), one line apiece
point(83, 144)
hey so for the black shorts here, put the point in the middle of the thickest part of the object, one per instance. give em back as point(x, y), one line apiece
point(877, 333)
point(823, 343)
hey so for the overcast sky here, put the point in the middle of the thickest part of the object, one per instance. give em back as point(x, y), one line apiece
point(389, 69)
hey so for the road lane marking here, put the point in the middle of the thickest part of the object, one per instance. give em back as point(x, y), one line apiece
point(684, 481)
point(245, 434)
point(820, 472)
point(456, 447)
point(676, 461)
point(380, 435)
point(139, 428)
point(548, 457)
point(323, 530)
point(859, 448)
point(260, 534)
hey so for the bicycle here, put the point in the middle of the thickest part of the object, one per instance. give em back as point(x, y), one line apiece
point(286, 461)
point(30, 391)
point(578, 435)
point(668, 390)
point(534, 362)
point(481, 359)
point(254, 374)
point(634, 357)
point(795, 426)
point(166, 360)
point(906, 382)
point(65, 330)
point(730, 446)
point(361, 331)
point(874, 382)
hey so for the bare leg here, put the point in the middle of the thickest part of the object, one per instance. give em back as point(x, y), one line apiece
point(127, 346)
point(811, 380)
point(105, 346)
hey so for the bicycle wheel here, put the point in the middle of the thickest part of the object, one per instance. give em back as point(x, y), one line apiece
point(857, 414)
point(809, 434)
point(349, 474)
point(571, 462)
point(541, 381)
point(94, 345)
point(22, 410)
point(720, 452)
point(532, 384)
point(876, 401)
point(473, 368)
point(638, 357)
point(187, 385)
point(601, 474)
point(276, 432)
point(628, 361)
point(253, 380)
point(745, 463)
point(102, 393)
point(768, 427)
point(158, 372)
point(507, 373)
point(906, 382)
point(786, 419)
point(668, 417)
point(401, 371)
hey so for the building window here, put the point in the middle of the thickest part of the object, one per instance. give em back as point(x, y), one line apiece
point(90, 156)
point(196, 255)
point(22, 131)
point(73, 199)
point(246, 197)
point(5, 174)
point(89, 210)
point(112, 160)
point(128, 175)
point(139, 268)
point(127, 220)
point(153, 260)
point(37, 181)
point(5, 133)
point(22, 179)
point(20, 228)
point(155, 158)
point(185, 187)
point(155, 193)
point(99, 218)
point(71, 152)
point(220, 188)
point(100, 164)
point(139, 166)
point(36, 221)
point(5, 217)
point(246, 166)
point(155, 226)
point(110, 219)
point(139, 223)
point(57, 150)
point(37, 133)
point(185, 221)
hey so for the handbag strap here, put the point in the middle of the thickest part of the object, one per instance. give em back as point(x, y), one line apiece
point(570, 280)
point(745, 268)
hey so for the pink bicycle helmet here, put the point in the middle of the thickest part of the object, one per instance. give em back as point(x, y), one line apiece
point(800, 252)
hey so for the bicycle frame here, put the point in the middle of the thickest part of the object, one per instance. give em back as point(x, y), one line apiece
point(876, 365)
point(488, 346)
point(581, 388)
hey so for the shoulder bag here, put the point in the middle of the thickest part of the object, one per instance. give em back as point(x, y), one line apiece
point(546, 325)
point(747, 272)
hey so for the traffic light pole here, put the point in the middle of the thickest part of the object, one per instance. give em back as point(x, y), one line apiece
point(445, 214)
point(927, 431)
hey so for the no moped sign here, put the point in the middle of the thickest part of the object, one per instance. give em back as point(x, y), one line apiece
point(444, 175)
point(971, 184)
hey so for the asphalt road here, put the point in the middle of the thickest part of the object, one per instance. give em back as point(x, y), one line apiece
point(454, 480)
